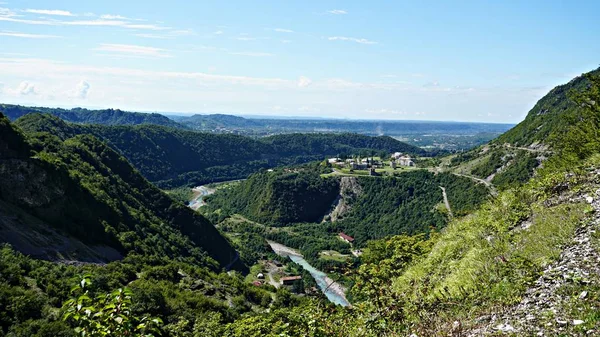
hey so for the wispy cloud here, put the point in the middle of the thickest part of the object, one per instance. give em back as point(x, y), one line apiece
point(337, 11)
point(7, 12)
point(27, 35)
point(352, 39)
point(57, 12)
point(9, 17)
point(304, 81)
point(112, 17)
point(152, 36)
point(281, 30)
point(134, 50)
point(252, 54)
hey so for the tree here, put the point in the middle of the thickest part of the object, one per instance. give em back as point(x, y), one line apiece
point(107, 314)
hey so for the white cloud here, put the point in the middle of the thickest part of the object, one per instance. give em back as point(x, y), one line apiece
point(251, 53)
point(344, 38)
point(245, 38)
point(81, 90)
point(23, 89)
point(286, 41)
point(113, 17)
point(281, 30)
point(152, 36)
point(133, 50)
point(337, 11)
point(5, 12)
point(56, 12)
point(92, 23)
point(433, 84)
point(27, 35)
point(304, 81)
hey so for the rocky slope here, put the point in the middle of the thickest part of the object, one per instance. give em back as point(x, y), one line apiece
point(559, 302)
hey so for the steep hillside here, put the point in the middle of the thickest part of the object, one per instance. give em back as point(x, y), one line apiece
point(561, 127)
point(279, 197)
point(171, 157)
point(84, 190)
point(551, 116)
point(85, 116)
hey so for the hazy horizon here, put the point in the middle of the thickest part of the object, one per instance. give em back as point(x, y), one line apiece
point(350, 60)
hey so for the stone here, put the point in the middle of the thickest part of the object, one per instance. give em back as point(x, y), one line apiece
point(583, 295)
point(504, 327)
point(577, 322)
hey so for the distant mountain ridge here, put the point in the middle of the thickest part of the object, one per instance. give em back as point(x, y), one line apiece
point(85, 116)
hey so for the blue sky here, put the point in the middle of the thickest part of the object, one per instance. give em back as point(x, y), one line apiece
point(484, 61)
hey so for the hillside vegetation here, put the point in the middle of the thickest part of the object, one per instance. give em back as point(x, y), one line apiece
point(172, 158)
point(552, 115)
point(84, 189)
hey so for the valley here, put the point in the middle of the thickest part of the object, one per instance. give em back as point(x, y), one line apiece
point(343, 234)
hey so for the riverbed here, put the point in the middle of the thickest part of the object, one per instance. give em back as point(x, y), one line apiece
point(200, 193)
point(333, 290)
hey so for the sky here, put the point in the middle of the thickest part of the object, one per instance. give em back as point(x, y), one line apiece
point(482, 61)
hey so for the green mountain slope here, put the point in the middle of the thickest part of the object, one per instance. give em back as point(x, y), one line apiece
point(85, 116)
point(171, 157)
point(551, 116)
point(82, 188)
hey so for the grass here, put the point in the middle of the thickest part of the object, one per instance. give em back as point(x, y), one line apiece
point(486, 260)
point(333, 256)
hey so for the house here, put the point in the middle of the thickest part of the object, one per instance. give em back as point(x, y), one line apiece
point(360, 166)
point(393, 164)
point(346, 238)
point(406, 161)
point(334, 161)
point(397, 155)
point(372, 172)
point(289, 280)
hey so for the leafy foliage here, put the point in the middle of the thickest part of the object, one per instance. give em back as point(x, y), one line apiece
point(107, 314)
point(83, 188)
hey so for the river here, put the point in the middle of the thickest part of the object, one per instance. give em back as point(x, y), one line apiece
point(200, 193)
point(333, 290)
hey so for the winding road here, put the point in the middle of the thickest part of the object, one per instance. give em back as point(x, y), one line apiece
point(489, 185)
point(446, 202)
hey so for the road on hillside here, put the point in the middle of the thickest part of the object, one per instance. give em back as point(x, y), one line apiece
point(489, 185)
point(446, 202)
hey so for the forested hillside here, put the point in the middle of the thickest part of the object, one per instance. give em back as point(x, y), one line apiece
point(551, 117)
point(280, 197)
point(171, 157)
point(85, 116)
point(83, 189)
point(411, 203)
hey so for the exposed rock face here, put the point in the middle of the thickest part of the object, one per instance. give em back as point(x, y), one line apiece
point(350, 189)
point(546, 308)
